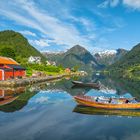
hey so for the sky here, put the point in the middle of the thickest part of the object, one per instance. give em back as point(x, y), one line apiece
point(57, 25)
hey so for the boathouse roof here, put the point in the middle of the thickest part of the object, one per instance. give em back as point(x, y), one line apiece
point(6, 60)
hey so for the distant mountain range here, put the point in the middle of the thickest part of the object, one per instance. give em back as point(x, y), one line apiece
point(79, 56)
point(76, 56)
point(15, 45)
point(109, 57)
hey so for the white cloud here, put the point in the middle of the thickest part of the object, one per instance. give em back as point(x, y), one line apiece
point(29, 33)
point(42, 100)
point(62, 33)
point(19, 18)
point(135, 4)
point(101, 45)
point(109, 3)
point(62, 28)
point(40, 43)
point(132, 3)
point(90, 26)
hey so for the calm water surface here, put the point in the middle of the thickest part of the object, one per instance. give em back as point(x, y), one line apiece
point(46, 112)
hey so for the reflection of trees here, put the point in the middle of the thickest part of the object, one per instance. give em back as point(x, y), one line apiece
point(8, 95)
point(66, 85)
point(21, 95)
point(122, 86)
point(18, 98)
point(18, 103)
point(129, 86)
point(112, 84)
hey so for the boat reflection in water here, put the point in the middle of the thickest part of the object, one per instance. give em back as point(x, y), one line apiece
point(9, 95)
point(110, 112)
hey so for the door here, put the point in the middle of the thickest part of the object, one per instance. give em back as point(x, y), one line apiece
point(1, 75)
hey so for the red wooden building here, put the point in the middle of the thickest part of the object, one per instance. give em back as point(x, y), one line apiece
point(9, 69)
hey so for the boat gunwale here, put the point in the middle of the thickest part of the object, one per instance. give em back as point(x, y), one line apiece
point(107, 105)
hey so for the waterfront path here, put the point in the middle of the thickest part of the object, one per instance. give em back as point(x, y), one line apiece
point(30, 81)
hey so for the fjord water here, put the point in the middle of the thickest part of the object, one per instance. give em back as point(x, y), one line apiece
point(47, 112)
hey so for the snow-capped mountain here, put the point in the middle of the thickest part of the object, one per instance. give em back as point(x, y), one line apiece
point(107, 53)
point(108, 57)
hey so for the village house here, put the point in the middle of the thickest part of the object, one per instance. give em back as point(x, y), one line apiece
point(67, 70)
point(9, 68)
point(34, 60)
point(52, 63)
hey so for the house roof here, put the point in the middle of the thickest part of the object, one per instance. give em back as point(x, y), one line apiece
point(16, 67)
point(6, 60)
point(6, 69)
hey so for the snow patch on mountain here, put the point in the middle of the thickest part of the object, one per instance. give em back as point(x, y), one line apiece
point(107, 53)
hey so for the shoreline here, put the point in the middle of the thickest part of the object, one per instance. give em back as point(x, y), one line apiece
point(30, 81)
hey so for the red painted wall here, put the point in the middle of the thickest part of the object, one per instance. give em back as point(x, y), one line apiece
point(8, 75)
point(19, 73)
point(0, 75)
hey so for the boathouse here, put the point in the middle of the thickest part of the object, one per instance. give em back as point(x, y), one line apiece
point(10, 69)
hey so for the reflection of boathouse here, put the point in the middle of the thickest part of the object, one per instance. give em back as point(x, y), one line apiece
point(10, 69)
point(15, 99)
point(9, 95)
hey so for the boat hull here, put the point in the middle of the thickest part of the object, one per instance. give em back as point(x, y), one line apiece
point(91, 103)
point(110, 112)
point(92, 85)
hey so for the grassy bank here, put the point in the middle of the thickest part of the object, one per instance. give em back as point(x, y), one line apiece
point(47, 70)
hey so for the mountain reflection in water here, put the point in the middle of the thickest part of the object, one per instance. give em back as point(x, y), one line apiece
point(48, 111)
point(16, 98)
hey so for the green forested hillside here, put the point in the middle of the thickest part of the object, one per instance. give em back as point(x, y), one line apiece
point(15, 45)
point(130, 59)
point(129, 64)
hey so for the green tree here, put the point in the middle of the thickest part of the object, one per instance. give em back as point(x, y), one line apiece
point(8, 52)
point(75, 68)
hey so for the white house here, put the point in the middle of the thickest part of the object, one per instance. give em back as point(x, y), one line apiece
point(53, 63)
point(34, 60)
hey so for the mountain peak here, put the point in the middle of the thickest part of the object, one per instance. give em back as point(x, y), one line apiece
point(78, 56)
point(78, 48)
point(121, 51)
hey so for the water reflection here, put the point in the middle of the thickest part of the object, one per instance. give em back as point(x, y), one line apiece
point(8, 95)
point(96, 111)
point(15, 99)
point(45, 111)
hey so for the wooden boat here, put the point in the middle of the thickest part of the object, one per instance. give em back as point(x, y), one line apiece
point(81, 84)
point(110, 112)
point(89, 101)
